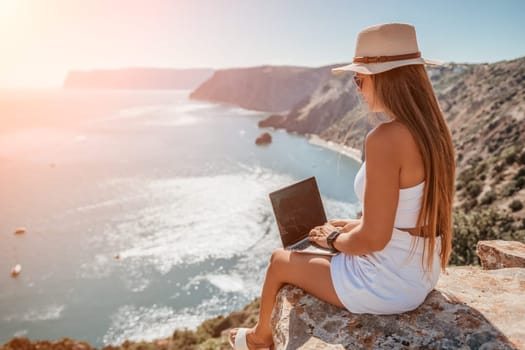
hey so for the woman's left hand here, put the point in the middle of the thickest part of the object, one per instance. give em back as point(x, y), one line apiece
point(319, 233)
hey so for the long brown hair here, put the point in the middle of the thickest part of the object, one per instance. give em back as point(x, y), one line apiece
point(406, 94)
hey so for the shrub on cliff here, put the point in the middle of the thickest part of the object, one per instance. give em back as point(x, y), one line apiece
point(474, 189)
point(522, 158)
point(516, 205)
point(488, 197)
point(208, 333)
point(509, 189)
point(184, 339)
point(510, 155)
point(479, 224)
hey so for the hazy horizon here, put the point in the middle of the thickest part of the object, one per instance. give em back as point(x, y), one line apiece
point(234, 67)
point(41, 40)
point(196, 68)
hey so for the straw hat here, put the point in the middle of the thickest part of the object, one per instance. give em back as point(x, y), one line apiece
point(383, 47)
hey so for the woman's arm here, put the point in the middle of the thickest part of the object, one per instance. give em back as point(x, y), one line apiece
point(356, 242)
point(346, 224)
point(381, 194)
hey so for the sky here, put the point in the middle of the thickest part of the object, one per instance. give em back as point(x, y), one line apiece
point(41, 40)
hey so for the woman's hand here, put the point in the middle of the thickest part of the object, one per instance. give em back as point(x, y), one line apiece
point(319, 233)
point(346, 225)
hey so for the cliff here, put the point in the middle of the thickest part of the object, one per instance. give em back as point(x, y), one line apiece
point(264, 88)
point(137, 78)
point(484, 107)
point(470, 308)
point(333, 111)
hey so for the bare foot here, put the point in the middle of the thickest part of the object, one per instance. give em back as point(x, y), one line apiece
point(253, 340)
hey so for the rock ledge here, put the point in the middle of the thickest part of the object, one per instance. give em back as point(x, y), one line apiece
point(470, 308)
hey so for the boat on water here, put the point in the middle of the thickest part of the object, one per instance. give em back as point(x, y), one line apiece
point(15, 271)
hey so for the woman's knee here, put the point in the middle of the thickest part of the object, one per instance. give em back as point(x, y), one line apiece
point(278, 256)
point(279, 259)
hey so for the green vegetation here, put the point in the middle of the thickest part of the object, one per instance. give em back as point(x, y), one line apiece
point(509, 189)
point(184, 339)
point(516, 205)
point(477, 225)
point(208, 336)
point(474, 188)
point(510, 154)
point(488, 197)
point(480, 172)
point(521, 158)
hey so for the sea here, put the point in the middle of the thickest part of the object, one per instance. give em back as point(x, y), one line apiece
point(143, 211)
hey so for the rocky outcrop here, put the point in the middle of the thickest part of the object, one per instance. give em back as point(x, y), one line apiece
point(72, 344)
point(333, 111)
point(63, 344)
point(273, 121)
point(470, 308)
point(263, 88)
point(499, 254)
point(137, 78)
point(263, 139)
point(210, 334)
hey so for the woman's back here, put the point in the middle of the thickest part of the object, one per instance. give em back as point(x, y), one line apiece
point(412, 170)
point(411, 176)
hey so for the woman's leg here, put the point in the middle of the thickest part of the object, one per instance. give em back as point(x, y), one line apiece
point(309, 272)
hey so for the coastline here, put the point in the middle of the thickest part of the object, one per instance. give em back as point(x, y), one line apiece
point(350, 152)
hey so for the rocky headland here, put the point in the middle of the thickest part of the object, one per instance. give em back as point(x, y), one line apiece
point(262, 88)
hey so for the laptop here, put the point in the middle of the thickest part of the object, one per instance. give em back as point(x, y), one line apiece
point(298, 209)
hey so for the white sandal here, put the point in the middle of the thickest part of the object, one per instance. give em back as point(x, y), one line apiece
point(240, 340)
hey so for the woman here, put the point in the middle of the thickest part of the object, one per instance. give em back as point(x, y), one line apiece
point(392, 256)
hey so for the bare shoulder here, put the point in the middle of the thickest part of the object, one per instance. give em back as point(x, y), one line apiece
point(393, 145)
point(393, 137)
point(387, 137)
point(393, 131)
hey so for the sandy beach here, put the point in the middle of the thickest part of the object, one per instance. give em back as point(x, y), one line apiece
point(353, 153)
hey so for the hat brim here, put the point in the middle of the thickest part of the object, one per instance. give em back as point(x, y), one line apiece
point(374, 68)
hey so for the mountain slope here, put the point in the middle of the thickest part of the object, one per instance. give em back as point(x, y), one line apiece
point(264, 88)
point(484, 106)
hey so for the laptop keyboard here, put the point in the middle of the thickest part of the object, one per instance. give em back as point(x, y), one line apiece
point(302, 245)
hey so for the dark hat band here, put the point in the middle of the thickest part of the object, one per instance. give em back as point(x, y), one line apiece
point(379, 59)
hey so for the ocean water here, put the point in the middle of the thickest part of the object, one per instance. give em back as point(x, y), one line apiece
point(144, 211)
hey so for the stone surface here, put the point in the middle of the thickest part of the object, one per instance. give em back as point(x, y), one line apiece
point(498, 254)
point(264, 138)
point(470, 308)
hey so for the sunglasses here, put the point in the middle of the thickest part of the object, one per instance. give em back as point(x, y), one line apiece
point(358, 81)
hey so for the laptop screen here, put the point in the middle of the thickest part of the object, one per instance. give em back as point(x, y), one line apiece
point(298, 208)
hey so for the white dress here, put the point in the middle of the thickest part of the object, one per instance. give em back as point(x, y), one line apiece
point(387, 281)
